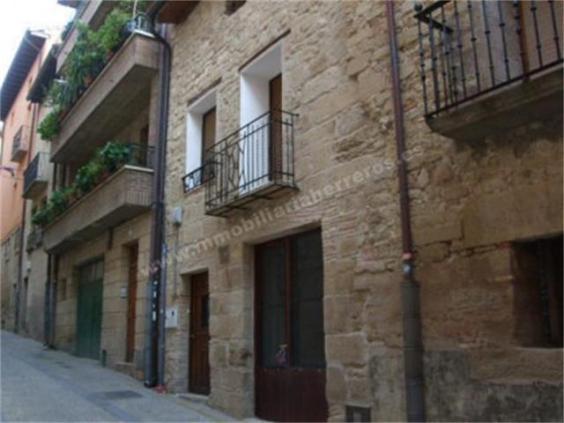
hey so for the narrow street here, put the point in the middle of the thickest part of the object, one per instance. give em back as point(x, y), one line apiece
point(44, 385)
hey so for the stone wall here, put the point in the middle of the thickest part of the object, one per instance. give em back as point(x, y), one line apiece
point(469, 201)
point(333, 77)
point(113, 249)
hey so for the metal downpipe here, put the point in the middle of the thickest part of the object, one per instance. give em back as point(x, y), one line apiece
point(413, 345)
point(155, 341)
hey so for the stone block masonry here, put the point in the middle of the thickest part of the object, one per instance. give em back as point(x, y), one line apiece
point(470, 201)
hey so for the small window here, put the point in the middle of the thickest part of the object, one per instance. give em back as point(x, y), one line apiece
point(201, 125)
point(231, 6)
point(538, 292)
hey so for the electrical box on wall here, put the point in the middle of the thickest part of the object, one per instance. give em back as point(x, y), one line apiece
point(171, 317)
point(176, 216)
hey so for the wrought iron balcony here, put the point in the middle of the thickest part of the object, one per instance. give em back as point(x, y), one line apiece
point(20, 143)
point(255, 162)
point(35, 175)
point(470, 50)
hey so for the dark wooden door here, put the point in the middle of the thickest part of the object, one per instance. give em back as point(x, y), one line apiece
point(290, 365)
point(199, 367)
point(131, 302)
point(89, 310)
point(275, 150)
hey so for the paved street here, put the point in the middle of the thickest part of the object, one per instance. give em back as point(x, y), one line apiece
point(42, 385)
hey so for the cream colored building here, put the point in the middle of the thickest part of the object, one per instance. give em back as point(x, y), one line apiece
point(284, 235)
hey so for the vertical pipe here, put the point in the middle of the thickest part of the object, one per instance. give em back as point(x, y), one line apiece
point(413, 346)
point(155, 340)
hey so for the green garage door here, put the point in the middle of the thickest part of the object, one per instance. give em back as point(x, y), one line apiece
point(89, 310)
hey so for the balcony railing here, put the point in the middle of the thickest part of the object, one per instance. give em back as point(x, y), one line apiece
point(20, 143)
point(254, 162)
point(35, 175)
point(468, 49)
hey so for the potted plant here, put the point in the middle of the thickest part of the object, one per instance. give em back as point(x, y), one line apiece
point(49, 127)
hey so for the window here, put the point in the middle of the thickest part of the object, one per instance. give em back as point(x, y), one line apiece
point(290, 288)
point(538, 292)
point(200, 137)
point(261, 105)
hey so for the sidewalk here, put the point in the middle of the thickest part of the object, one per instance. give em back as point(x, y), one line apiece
point(46, 385)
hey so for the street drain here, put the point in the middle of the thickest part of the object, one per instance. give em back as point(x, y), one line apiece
point(120, 395)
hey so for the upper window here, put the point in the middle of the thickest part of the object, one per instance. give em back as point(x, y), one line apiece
point(200, 138)
point(261, 130)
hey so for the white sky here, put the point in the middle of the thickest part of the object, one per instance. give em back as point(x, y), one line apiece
point(18, 16)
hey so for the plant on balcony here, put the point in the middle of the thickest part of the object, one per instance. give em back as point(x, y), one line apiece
point(91, 52)
point(88, 176)
point(111, 34)
point(106, 161)
point(49, 126)
point(114, 155)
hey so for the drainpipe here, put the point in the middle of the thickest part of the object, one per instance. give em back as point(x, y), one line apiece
point(412, 339)
point(155, 341)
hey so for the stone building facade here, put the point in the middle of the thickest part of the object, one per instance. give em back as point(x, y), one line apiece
point(476, 209)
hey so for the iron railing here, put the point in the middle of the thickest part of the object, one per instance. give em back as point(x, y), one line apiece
point(197, 177)
point(470, 48)
point(35, 171)
point(20, 143)
point(141, 155)
point(258, 156)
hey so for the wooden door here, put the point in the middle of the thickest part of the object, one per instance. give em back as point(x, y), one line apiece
point(89, 310)
point(289, 336)
point(275, 99)
point(131, 301)
point(199, 367)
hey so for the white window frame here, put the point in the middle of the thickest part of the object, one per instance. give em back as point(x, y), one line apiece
point(255, 102)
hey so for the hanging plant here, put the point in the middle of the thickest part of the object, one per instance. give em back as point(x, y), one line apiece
point(49, 127)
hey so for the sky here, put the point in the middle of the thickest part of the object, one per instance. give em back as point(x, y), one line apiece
point(18, 16)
